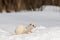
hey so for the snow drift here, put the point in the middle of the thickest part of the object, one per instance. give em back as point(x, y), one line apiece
point(39, 33)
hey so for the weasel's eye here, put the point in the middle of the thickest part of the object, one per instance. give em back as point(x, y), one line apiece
point(33, 25)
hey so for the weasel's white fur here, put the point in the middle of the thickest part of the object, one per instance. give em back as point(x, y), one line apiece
point(22, 29)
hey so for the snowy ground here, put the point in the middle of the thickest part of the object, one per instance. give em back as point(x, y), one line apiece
point(49, 18)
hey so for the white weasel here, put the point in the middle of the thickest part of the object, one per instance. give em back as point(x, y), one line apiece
point(24, 30)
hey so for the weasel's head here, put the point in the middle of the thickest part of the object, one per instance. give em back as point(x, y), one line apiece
point(33, 25)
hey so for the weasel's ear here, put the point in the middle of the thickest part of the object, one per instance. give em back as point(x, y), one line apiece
point(30, 24)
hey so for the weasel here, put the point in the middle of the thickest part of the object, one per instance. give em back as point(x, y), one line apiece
point(24, 30)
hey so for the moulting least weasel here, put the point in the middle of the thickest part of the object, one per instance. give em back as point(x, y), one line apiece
point(24, 30)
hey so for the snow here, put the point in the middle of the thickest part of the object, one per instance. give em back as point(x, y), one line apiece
point(41, 33)
point(52, 8)
point(37, 17)
point(47, 21)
